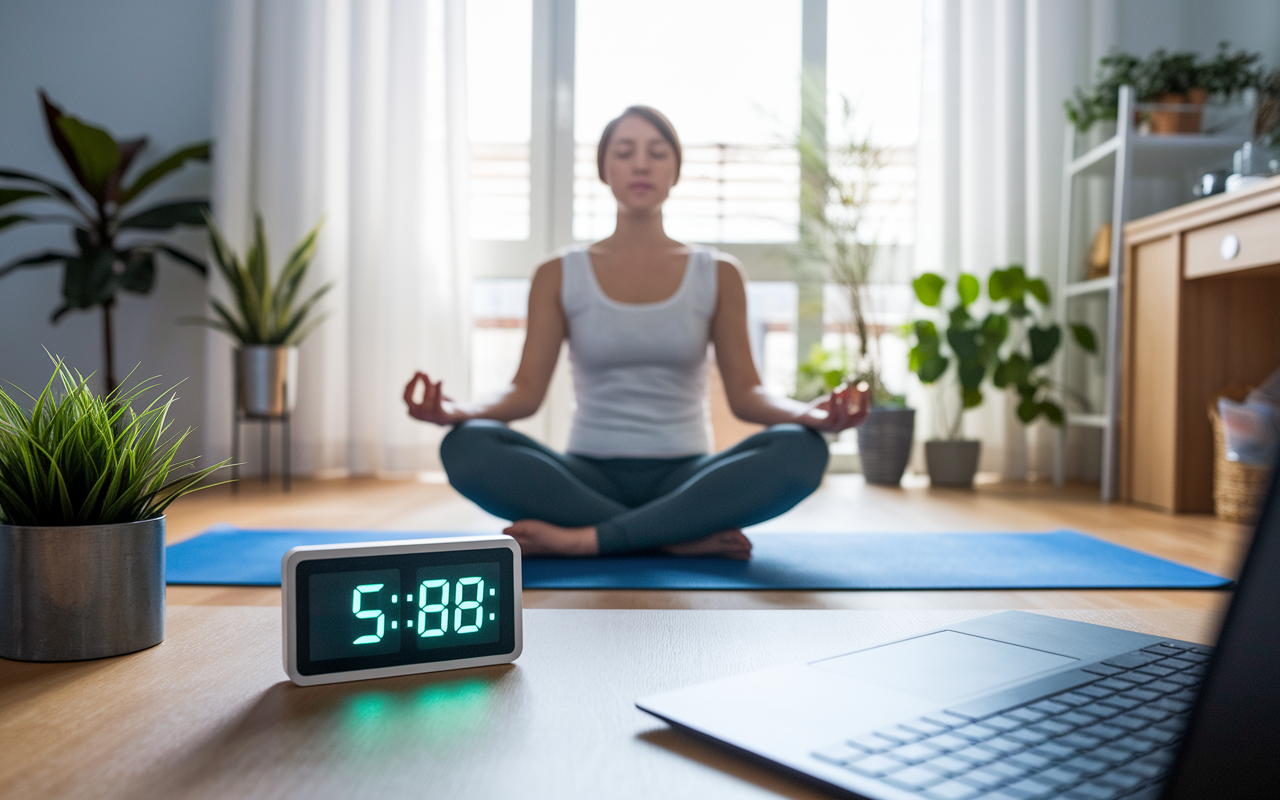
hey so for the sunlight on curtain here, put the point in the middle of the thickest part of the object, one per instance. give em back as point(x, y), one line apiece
point(354, 111)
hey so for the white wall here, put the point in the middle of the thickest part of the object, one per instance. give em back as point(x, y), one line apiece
point(135, 67)
point(1199, 25)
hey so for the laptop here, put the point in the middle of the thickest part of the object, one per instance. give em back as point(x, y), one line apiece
point(1015, 706)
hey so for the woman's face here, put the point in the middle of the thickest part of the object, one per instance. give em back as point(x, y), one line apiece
point(639, 165)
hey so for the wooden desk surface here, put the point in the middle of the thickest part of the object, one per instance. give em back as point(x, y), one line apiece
point(209, 713)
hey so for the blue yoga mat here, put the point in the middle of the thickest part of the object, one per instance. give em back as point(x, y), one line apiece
point(798, 561)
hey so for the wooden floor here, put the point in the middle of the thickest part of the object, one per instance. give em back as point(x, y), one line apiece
point(845, 502)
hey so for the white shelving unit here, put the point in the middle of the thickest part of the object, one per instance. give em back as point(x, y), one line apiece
point(1123, 156)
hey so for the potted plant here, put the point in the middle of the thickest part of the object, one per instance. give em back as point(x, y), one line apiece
point(1010, 344)
point(835, 197)
point(84, 484)
point(102, 208)
point(264, 319)
point(1182, 81)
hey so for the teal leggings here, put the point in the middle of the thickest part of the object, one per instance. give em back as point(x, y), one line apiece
point(635, 503)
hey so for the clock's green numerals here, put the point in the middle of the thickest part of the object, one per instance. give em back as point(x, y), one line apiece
point(429, 604)
point(357, 602)
point(433, 608)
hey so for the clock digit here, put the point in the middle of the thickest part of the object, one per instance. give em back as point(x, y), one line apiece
point(468, 605)
point(426, 608)
point(368, 613)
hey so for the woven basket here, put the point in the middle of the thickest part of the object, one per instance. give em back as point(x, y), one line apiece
point(1238, 488)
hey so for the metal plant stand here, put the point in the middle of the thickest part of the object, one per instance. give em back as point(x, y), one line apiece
point(284, 420)
point(278, 407)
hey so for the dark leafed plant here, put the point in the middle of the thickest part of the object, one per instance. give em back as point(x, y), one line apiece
point(76, 458)
point(1011, 344)
point(265, 311)
point(111, 252)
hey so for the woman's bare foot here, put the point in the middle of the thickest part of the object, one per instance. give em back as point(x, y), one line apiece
point(725, 544)
point(538, 538)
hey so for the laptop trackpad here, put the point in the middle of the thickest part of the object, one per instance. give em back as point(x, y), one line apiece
point(945, 665)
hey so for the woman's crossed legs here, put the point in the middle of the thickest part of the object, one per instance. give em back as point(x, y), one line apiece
point(692, 505)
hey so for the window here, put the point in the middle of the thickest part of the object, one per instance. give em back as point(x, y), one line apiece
point(500, 81)
point(547, 75)
point(735, 104)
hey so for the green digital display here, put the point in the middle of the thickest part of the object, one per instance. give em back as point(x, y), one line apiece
point(404, 614)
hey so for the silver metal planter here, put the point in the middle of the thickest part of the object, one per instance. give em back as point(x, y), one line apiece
point(884, 443)
point(76, 592)
point(952, 462)
point(267, 380)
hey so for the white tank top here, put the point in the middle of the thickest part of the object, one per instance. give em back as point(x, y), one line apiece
point(639, 369)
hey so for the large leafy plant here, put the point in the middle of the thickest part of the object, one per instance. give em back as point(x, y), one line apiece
point(1011, 344)
point(102, 209)
point(76, 458)
point(265, 311)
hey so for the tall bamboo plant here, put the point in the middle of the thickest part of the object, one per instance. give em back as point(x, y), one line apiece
point(264, 311)
point(840, 177)
point(102, 209)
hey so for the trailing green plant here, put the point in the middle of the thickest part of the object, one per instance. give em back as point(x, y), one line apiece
point(264, 311)
point(1162, 73)
point(104, 218)
point(1011, 344)
point(76, 458)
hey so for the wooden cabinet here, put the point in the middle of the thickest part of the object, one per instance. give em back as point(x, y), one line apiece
point(1201, 303)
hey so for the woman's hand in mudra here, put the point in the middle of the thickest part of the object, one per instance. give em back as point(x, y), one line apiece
point(846, 407)
point(435, 406)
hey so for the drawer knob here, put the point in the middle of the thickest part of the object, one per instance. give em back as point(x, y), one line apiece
point(1230, 247)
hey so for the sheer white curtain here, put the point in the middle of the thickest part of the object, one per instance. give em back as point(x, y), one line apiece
point(354, 111)
point(995, 75)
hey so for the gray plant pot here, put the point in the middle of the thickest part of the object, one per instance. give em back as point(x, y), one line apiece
point(884, 443)
point(952, 462)
point(76, 592)
point(267, 379)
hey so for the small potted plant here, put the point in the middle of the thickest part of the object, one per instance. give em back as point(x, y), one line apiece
point(972, 344)
point(1181, 82)
point(1010, 345)
point(265, 320)
point(84, 484)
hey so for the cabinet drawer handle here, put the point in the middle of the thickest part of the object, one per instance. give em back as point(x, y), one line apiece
point(1230, 247)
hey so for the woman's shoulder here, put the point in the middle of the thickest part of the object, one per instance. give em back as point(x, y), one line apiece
point(728, 267)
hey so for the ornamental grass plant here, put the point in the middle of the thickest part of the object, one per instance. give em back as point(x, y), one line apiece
point(76, 458)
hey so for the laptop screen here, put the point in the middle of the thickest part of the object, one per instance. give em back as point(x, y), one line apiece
point(1230, 749)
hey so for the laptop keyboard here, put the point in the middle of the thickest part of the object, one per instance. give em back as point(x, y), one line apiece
point(1111, 735)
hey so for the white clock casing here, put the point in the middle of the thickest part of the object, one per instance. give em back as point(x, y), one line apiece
point(289, 584)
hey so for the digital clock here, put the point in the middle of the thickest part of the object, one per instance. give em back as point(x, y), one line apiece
point(378, 609)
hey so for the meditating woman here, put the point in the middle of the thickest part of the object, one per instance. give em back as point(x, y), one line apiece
point(639, 310)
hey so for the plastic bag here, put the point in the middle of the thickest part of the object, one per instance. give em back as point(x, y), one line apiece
point(1249, 431)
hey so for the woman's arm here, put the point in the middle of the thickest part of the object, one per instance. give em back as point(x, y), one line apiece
point(545, 330)
point(844, 408)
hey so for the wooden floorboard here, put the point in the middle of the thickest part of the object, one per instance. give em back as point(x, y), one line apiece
point(844, 503)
